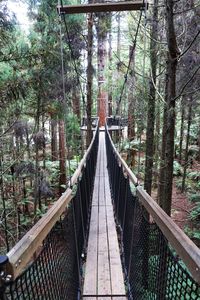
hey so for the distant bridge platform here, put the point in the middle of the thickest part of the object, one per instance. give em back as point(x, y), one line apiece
point(110, 128)
point(103, 273)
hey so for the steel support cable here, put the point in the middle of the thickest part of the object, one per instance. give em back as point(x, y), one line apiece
point(129, 63)
point(73, 211)
point(72, 56)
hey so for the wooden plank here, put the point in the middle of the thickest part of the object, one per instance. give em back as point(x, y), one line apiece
point(104, 237)
point(117, 280)
point(101, 7)
point(95, 197)
point(104, 284)
point(183, 245)
point(90, 283)
point(21, 254)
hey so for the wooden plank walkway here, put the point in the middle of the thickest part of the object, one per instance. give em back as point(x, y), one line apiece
point(103, 274)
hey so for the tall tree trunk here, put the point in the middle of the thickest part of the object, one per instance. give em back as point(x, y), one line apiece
point(44, 142)
point(110, 68)
point(76, 102)
point(182, 129)
point(151, 103)
point(131, 95)
point(118, 20)
point(37, 171)
point(163, 144)
point(187, 144)
point(166, 189)
point(101, 61)
point(89, 80)
point(62, 156)
point(54, 140)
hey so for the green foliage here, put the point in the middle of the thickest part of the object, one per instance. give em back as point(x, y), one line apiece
point(192, 233)
point(177, 169)
point(195, 213)
point(194, 197)
point(72, 132)
point(195, 175)
point(42, 211)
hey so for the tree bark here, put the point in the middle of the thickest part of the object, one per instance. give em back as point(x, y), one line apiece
point(182, 129)
point(131, 97)
point(166, 188)
point(76, 102)
point(110, 69)
point(54, 140)
point(151, 103)
point(89, 80)
point(62, 156)
point(187, 144)
point(101, 61)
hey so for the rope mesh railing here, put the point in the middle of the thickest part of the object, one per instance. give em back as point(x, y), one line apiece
point(153, 269)
point(55, 269)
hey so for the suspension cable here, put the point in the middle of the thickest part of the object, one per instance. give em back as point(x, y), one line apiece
point(129, 63)
point(73, 58)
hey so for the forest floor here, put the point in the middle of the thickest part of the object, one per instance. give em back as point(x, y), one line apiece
point(181, 208)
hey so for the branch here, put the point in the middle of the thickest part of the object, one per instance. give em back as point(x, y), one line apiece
point(9, 128)
point(186, 84)
point(190, 45)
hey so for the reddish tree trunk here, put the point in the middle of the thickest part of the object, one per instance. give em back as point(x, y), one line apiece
point(76, 102)
point(54, 146)
point(101, 58)
point(62, 156)
point(89, 80)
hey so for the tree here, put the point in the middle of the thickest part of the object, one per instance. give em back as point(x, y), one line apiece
point(169, 121)
point(89, 78)
point(151, 102)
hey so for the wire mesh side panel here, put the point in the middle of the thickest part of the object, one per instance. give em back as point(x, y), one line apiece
point(152, 268)
point(55, 271)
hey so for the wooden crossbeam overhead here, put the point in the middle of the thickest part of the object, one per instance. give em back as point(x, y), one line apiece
point(101, 7)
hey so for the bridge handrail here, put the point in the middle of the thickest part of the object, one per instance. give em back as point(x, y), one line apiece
point(185, 248)
point(21, 254)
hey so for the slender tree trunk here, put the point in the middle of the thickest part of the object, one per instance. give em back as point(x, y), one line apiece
point(37, 172)
point(54, 142)
point(131, 96)
point(89, 80)
point(151, 103)
point(163, 145)
point(76, 102)
point(28, 143)
point(44, 142)
point(62, 156)
point(187, 144)
point(110, 68)
point(101, 58)
point(166, 189)
point(118, 19)
point(182, 129)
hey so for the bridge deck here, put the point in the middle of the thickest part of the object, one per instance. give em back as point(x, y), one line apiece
point(103, 274)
